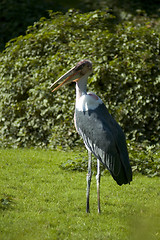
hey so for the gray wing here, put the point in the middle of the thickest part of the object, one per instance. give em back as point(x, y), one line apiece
point(105, 139)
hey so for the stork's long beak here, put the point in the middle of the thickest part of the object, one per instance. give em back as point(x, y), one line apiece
point(71, 75)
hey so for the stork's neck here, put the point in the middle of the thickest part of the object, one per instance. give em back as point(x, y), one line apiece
point(81, 87)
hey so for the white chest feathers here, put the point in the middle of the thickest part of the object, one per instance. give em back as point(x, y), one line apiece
point(89, 101)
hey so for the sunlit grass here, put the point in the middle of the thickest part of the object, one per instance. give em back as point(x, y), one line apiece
point(39, 200)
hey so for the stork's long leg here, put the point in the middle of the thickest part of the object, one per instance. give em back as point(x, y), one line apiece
point(89, 176)
point(98, 176)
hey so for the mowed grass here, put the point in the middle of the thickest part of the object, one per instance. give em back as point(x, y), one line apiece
point(39, 200)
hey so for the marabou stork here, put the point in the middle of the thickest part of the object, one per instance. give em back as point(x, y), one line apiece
point(101, 134)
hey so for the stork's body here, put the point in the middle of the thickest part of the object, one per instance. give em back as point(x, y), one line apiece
point(101, 134)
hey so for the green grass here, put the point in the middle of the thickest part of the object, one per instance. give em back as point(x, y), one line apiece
point(40, 201)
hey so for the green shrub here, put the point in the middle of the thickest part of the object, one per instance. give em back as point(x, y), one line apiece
point(126, 64)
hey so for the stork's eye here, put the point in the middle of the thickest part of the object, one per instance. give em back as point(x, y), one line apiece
point(80, 67)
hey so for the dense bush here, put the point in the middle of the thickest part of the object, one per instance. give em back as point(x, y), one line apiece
point(126, 76)
point(16, 15)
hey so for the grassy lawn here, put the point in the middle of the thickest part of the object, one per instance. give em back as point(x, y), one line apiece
point(39, 200)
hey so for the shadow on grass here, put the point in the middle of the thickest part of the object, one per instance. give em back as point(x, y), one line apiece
point(6, 202)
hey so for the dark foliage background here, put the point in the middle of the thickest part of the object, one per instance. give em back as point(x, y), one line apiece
point(17, 15)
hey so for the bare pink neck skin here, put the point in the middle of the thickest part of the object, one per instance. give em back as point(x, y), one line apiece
point(93, 95)
point(81, 87)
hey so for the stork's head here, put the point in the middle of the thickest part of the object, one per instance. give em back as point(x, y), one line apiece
point(75, 74)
